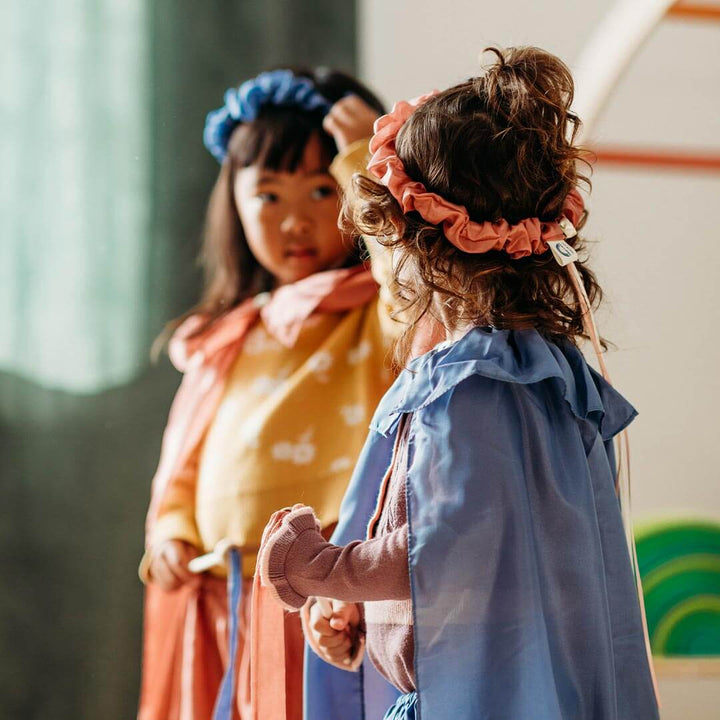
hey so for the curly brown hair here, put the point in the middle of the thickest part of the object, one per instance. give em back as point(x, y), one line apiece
point(501, 145)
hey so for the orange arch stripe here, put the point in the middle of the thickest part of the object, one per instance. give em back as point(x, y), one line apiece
point(695, 11)
point(707, 161)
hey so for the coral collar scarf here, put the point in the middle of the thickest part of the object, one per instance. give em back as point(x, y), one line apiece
point(284, 311)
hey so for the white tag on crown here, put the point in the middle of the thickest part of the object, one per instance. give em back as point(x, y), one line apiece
point(568, 229)
point(562, 252)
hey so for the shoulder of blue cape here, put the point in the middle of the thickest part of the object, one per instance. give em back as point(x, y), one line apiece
point(521, 358)
point(518, 357)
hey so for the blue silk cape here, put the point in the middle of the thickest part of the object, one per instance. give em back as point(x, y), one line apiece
point(524, 600)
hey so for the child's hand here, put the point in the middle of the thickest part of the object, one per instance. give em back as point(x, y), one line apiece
point(349, 119)
point(336, 637)
point(169, 566)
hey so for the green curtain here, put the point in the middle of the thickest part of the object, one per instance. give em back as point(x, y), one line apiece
point(104, 184)
point(75, 200)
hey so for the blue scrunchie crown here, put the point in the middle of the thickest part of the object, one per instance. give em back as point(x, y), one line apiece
point(242, 104)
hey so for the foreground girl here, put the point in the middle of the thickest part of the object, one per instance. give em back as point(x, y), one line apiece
point(494, 580)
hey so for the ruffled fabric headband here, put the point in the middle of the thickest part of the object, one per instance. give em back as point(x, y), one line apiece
point(529, 236)
point(242, 104)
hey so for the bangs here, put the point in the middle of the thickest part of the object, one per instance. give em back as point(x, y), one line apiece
point(277, 138)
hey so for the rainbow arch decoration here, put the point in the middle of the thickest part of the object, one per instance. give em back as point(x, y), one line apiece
point(605, 59)
point(679, 562)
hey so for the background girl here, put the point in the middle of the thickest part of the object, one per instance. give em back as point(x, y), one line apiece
point(494, 579)
point(284, 360)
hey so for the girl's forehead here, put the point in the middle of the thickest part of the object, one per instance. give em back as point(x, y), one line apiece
point(313, 162)
point(314, 157)
point(282, 143)
point(257, 175)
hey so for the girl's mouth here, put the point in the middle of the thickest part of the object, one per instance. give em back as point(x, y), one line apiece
point(301, 253)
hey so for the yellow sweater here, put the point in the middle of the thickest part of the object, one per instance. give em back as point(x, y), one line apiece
point(290, 424)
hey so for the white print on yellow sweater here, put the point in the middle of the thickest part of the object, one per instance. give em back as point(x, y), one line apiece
point(360, 352)
point(258, 342)
point(320, 364)
point(352, 414)
point(340, 464)
point(267, 385)
point(300, 453)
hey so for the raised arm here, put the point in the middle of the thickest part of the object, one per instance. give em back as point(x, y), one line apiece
point(350, 122)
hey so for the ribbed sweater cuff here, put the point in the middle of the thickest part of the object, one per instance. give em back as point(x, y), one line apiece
point(273, 556)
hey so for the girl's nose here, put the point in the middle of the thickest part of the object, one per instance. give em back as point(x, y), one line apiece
point(297, 224)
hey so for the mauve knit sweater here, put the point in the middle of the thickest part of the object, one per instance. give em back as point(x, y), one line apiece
point(373, 573)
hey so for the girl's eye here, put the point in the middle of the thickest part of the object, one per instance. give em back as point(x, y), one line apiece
point(267, 197)
point(324, 191)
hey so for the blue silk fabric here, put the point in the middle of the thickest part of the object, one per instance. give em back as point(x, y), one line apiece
point(524, 600)
point(405, 708)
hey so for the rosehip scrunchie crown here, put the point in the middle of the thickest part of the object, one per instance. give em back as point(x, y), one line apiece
point(529, 236)
point(242, 104)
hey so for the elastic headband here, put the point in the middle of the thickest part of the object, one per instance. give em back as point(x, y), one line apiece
point(529, 236)
point(242, 104)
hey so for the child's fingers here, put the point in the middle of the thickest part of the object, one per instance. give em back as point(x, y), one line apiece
point(340, 123)
point(341, 132)
point(274, 525)
point(339, 653)
point(320, 625)
point(351, 106)
point(163, 576)
point(352, 110)
point(173, 576)
point(335, 640)
point(349, 119)
point(177, 575)
point(275, 522)
point(343, 114)
point(277, 517)
point(159, 573)
point(344, 614)
point(180, 561)
point(330, 124)
point(335, 645)
point(174, 556)
point(338, 623)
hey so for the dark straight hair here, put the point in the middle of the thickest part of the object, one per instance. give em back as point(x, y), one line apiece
point(275, 140)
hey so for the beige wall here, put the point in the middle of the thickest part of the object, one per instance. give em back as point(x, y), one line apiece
point(657, 233)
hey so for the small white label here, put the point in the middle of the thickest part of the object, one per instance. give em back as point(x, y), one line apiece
point(568, 229)
point(562, 252)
